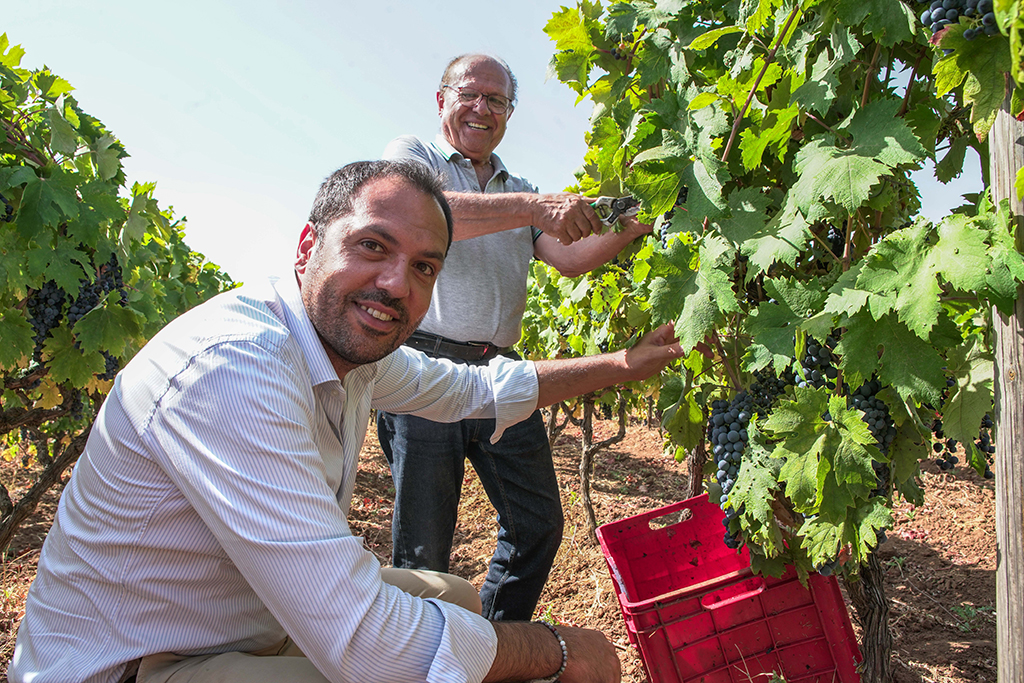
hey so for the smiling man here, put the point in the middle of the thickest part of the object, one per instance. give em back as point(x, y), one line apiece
point(203, 535)
point(501, 225)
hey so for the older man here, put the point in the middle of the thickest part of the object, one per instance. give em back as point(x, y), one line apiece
point(476, 315)
point(203, 534)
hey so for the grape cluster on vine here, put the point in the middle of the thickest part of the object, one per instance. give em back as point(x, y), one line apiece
point(767, 386)
point(621, 53)
point(45, 311)
point(8, 214)
point(46, 307)
point(836, 241)
point(727, 427)
point(945, 449)
point(978, 14)
point(818, 365)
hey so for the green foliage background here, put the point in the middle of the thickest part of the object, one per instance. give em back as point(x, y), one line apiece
point(750, 129)
point(70, 211)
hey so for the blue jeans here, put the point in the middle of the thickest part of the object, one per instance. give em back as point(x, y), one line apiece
point(427, 465)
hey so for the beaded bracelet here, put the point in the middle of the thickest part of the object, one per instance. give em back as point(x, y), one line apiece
point(565, 655)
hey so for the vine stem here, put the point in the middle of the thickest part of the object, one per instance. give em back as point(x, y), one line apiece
point(910, 84)
point(867, 76)
point(827, 127)
point(725, 364)
point(753, 91)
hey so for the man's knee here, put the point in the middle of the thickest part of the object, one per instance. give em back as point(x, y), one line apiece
point(424, 583)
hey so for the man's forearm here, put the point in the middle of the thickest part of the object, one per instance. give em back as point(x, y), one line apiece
point(565, 216)
point(525, 651)
point(477, 214)
point(562, 379)
point(583, 256)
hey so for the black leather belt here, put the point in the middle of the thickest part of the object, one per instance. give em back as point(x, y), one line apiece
point(440, 347)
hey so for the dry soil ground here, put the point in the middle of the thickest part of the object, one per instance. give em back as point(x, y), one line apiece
point(940, 559)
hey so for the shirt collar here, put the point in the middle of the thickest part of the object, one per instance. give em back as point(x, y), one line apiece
point(448, 151)
point(298, 322)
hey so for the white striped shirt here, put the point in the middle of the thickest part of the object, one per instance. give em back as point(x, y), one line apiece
point(208, 512)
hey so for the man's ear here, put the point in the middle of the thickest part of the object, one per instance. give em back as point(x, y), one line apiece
point(440, 102)
point(307, 242)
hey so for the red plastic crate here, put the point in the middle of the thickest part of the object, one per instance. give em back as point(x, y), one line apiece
point(698, 614)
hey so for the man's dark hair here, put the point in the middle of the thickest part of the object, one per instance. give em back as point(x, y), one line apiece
point(447, 75)
point(334, 198)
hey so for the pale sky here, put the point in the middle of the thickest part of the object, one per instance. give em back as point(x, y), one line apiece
point(238, 110)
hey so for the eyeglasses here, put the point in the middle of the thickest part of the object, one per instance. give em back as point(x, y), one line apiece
point(496, 104)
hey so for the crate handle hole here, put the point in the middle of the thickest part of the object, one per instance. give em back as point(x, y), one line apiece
point(671, 518)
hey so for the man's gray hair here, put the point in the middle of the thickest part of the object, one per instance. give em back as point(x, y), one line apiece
point(446, 76)
point(334, 198)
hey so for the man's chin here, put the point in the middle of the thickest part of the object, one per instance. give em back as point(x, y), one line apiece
point(363, 354)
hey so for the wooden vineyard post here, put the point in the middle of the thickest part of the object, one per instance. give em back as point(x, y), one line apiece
point(1006, 157)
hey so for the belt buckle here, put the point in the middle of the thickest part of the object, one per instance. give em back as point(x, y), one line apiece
point(485, 348)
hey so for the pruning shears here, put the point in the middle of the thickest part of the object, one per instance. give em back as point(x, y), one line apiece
point(611, 209)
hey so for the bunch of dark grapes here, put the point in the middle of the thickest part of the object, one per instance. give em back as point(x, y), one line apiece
point(978, 13)
point(89, 294)
point(945, 449)
point(727, 429)
point(621, 53)
point(818, 369)
point(836, 241)
point(112, 365)
point(45, 310)
point(680, 201)
point(767, 386)
point(876, 413)
point(985, 445)
point(8, 214)
point(882, 427)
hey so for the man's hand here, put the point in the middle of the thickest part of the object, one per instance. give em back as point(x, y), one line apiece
point(566, 217)
point(653, 352)
point(592, 658)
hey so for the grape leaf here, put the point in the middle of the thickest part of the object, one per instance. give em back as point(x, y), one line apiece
point(64, 267)
point(107, 328)
point(822, 540)
point(684, 421)
point(706, 40)
point(900, 266)
point(67, 363)
point(880, 133)
point(960, 254)
point(16, 339)
point(870, 518)
point(829, 173)
point(888, 22)
point(979, 65)
point(62, 135)
point(907, 363)
point(754, 491)
point(972, 398)
point(656, 190)
point(46, 201)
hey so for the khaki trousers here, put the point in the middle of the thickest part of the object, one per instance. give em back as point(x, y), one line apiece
point(283, 661)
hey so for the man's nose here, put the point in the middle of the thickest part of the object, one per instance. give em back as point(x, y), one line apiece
point(394, 278)
point(481, 106)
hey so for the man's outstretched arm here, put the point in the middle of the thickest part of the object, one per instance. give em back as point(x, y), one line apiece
point(566, 378)
point(564, 216)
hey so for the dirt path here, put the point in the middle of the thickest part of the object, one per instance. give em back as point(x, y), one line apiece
point(940, 559)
